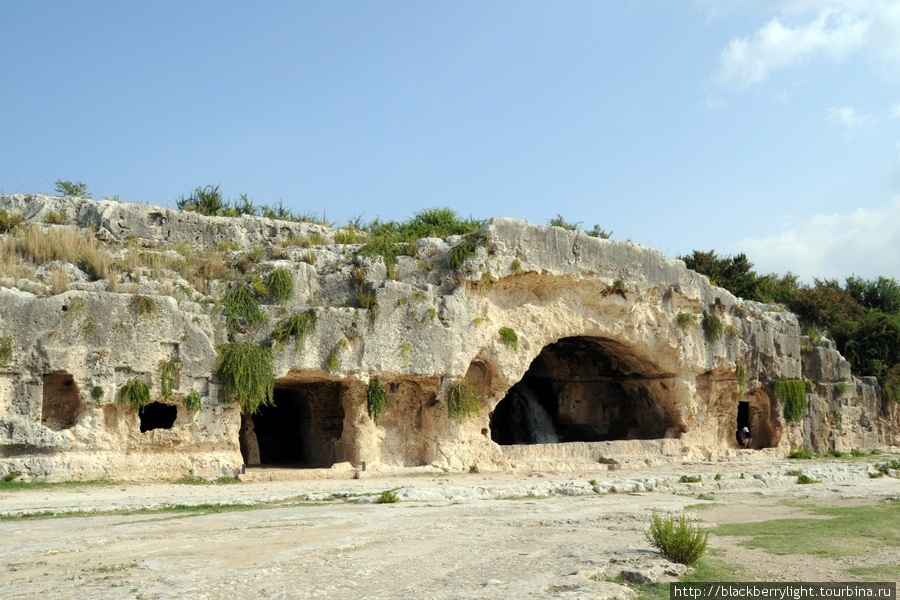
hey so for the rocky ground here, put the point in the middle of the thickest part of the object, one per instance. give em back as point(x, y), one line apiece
point(460, 535)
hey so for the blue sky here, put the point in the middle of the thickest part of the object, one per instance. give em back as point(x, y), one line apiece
point(760, 126)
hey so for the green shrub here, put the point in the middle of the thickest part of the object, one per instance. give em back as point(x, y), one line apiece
point(841, 387)
point(461, 252)
point(9, 221)
point(239, 305)
point(97, 393)
point(376, 400)
point(705, 497)
point(679, 541)
point(462, 400)
point(246, 374)
point(474, 469)
point(55, 217)
point(793, 473)
point(718, 477)
point(280, 285)
point(367, 298)
point(388, 497)
point(618, 285)
point(793, 392)
point(516, 268)
point(193, 401)
point(834, 451)
point(134, 393)
point(333, 362)
point(740, 376)
point(298, 326)
point(712, 327)
point(388, 250)
point(801, 453)
point(6, 350)
point(685, 320)
point(67, 188)
point(509, 338)
point(168, 370)
point(205, 200)
point(690, 479)
point(226, 480)
point(560, 221)
point(803, 479)
point(11, 476)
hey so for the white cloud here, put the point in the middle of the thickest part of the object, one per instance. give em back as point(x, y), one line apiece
point(865, 242)
point(829, 30)
point(847, 117)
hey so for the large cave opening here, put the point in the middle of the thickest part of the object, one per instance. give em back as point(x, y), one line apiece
point(301, 428)
point(587, 389)
point(61, 405)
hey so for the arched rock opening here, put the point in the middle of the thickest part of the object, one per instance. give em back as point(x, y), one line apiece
point(61, 405)
point(757, 411)
point(157, 415)
point(587, 389)
point(302, 428)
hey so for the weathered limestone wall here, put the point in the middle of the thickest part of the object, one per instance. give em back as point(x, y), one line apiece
point(604, 314)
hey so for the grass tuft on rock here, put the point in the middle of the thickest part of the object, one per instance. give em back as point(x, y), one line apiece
point(297, 326)
point(376, 400)
point(134, 393)
point(462, 400)
point(246, 375)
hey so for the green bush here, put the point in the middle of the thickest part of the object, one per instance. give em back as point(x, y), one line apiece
point(740, 376)
point(376, 400)
point(240, 306)
point(280, 285)
point(509, 338)
point(297, 326)
point(461, 252)
point(801, 453)
point(97, 393)
point(168, 370)
point(803, 479)
point(388, 497)
point(685, 320)
point(690, 479)
point(834, 451)
point(55, 217)
point(712, 327)
point(193, 401)
point(462, 400)
point(67, 188)
point(9, 221)
point(246, 374)
point(618, 285)
point(134, 393)
point(205, 200)
point(516, 268)
point(841, 387)
point(677, 540)
point(793, 392)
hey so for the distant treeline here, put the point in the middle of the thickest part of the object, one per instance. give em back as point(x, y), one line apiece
point(862, 316)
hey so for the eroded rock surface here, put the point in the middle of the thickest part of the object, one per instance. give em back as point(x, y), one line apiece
point(611, 364)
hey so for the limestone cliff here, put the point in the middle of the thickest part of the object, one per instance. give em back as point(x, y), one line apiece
point(609, 352)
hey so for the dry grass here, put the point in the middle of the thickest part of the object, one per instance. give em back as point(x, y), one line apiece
point(59, 281)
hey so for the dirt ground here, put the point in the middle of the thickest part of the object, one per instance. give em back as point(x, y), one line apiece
point(478, 536)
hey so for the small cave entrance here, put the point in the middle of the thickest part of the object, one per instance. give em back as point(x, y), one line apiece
point(301, 428)
point(587, 389)
point(157, 415)
point(756, 412)
point(61, 405)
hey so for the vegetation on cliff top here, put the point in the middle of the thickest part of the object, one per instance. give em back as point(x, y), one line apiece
point(862, 316)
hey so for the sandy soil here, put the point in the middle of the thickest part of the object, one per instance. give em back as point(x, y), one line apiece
point(560, 546)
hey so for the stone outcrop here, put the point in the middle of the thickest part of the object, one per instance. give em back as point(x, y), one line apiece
point(611, 364)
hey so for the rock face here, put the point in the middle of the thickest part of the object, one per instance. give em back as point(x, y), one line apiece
point(593, 351)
